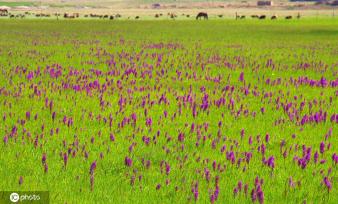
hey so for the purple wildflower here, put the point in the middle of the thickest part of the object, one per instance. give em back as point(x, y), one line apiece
point(92, 168)
point(20, 180)
point(44, 158)
point(6, 139)
point(328, 184)
point(322, 147)
point(65, 159)
point(241, 77)
point(128, 162)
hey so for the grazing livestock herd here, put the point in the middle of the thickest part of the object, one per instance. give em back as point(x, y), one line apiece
point(200, 15)
point(273, 17)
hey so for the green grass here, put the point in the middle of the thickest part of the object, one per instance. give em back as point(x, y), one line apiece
point(84, 45)
point(13, 3)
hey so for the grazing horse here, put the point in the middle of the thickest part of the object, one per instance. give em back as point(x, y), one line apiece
point(3, 11)
point(262, 17)
point(288, 17)
point(202, 14)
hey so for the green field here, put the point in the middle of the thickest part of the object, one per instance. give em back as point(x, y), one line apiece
point(13, 3)
point(181, 99)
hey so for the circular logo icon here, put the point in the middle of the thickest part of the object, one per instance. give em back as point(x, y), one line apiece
point(14, 197)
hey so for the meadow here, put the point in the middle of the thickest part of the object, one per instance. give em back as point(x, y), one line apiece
point(217, 111)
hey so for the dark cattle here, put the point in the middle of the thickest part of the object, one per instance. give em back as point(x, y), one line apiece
point(221, 16)
point(66, 15)
point(20, 16)
point(157, 15)
point(239, 17)
point(86, 16)
point(111, 17)
point(118, 15)
point(288, 17)
point(201, 15)
point(273, 17)
point(172, 15)
point(137, 17)
point(262, 17)
point(254, 16)
point(188, 16)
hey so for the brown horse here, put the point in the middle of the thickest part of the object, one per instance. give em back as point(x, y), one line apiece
point(202, 14)
point(4, 11)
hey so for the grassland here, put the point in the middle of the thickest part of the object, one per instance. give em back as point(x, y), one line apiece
point(12, 4)
point(164, 111)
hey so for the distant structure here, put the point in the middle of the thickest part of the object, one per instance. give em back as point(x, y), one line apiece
point(264, 3)
point(156, 6)
point(334, 3)
point(322, 2)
